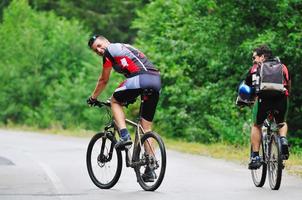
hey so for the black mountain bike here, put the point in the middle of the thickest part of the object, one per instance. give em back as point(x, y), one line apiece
point(104, 161)
point(270, 154)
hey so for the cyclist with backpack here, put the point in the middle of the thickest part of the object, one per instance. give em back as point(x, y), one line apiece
point(268, 85)
point(140, 74)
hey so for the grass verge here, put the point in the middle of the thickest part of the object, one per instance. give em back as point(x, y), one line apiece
point(56, 131)
point(239, 154)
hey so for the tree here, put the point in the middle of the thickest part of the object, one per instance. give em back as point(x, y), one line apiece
point(47, 70)
point(111, 18)
point(203, 49)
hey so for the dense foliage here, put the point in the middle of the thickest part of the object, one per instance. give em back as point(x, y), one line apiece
point(202, 47)
point(47, 70)
point(108, 17)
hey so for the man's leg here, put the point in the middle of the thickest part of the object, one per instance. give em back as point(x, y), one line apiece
point(149, 173)
point(282, 107)
point(147, 126)
point(118, 113)
point(255, 141)
point(148, 111)
point(258, 118)
point(255, 138)
point(283, 130)
point(119, 117)
point(284, 141)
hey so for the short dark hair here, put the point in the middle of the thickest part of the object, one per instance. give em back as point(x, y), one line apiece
point(264, 50)
point(93, 38)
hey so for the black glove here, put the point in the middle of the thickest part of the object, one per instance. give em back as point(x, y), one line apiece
point(91, 101)
point(241, 103)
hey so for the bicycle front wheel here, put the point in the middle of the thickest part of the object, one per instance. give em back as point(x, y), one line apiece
point(104, 162)
point(259, 175)
point(275, 164)
point(151, 159)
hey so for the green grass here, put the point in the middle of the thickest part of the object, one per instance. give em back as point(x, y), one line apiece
point(238, 154)
point(55, 131)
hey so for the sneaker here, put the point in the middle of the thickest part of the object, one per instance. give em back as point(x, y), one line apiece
point(284, 148)
point(123, 142)
point(149, 175)
point(255, 163)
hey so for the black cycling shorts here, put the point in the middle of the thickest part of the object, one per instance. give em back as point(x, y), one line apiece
point(149, 104)
point(131, 88)
point(263, 106)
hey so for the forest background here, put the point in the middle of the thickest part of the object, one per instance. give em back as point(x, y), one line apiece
point(203, 49)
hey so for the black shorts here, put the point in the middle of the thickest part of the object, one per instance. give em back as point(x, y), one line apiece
point(263, 106)
point(148, 106)
point(133, 87)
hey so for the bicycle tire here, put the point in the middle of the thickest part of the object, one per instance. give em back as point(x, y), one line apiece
point(162, 161)
point(275, 164)
point(259, 175)
point(99, 183)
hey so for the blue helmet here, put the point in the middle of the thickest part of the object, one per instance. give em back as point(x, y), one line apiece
point(245, 92)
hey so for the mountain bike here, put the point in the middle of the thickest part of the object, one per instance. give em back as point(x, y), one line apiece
point(104, 161)
point(270, 154)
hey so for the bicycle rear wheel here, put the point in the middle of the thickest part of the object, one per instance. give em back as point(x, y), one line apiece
point(259, 175)
point(104, 162)
point(275, 164)
point(152, 155)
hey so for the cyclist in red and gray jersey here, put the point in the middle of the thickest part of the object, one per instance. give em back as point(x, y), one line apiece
point(140, 75)
point(127, 60)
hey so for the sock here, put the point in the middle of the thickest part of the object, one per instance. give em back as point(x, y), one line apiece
point(256, 153)
point(124, 132)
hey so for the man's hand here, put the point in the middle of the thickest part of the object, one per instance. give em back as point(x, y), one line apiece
point(241, 103)
point(91, 101)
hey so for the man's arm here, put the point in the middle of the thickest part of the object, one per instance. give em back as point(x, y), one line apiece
point(287, 78)
point(102, 82)
point(289, 86)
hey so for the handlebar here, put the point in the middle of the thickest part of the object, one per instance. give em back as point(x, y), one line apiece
point(102, 103)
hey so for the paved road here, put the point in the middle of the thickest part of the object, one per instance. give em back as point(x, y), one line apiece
point(40, 166)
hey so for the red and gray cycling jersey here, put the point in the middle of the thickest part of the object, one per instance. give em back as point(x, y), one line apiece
point(127, 60)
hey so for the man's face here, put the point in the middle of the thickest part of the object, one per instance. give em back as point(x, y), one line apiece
point(99, 46)
point(257, 59)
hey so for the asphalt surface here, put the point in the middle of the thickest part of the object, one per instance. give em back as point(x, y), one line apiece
point(40, 166)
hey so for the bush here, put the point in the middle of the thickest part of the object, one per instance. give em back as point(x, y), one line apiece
point(47, 70)
point(203, 49)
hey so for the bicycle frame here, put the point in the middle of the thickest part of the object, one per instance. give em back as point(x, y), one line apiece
point(130, 162)
point(139, 131)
